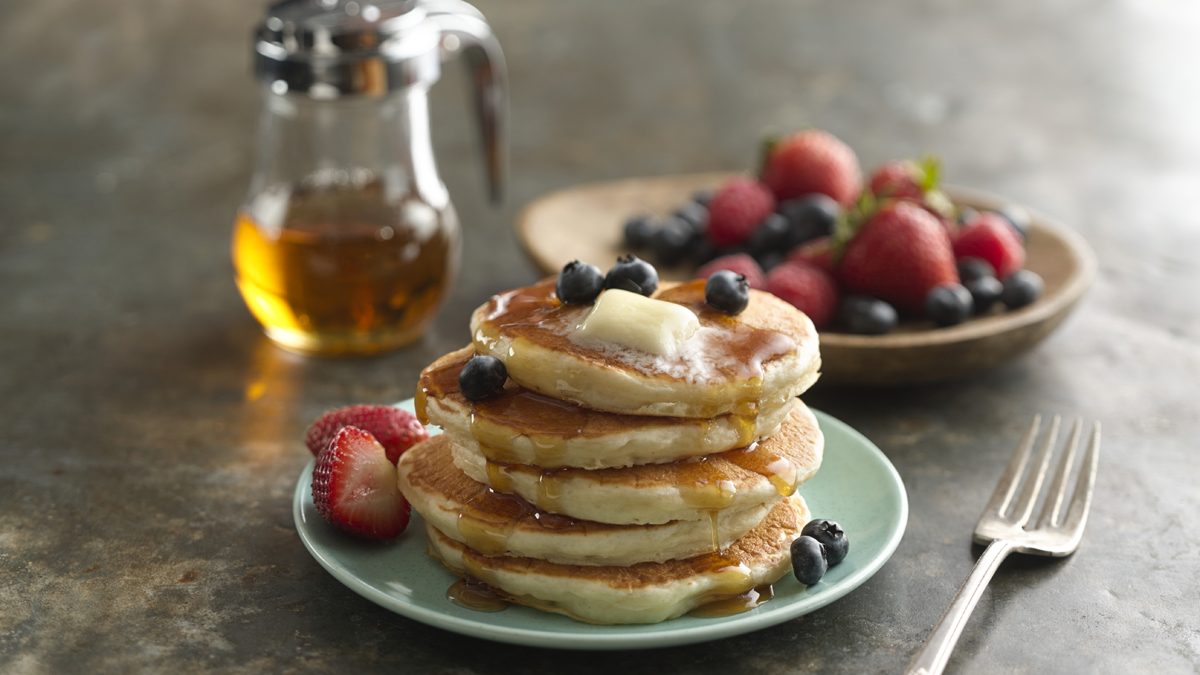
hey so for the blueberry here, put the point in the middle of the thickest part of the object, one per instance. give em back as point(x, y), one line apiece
point(632, 274)
point(482, 377)
point(809, 217)
point(672, 242)
point(808, 560)
point(638, 231)
point(768, 260)
point(703, 250)
point(727, 292)
point(971, 268)
point(694, 214)
point(1019, 217)
point(985, 291)
point(948, 304)
point(704, 197)
point(1021, 288)
point(772, 234)
point(966, 214)
point(831, 536)
point(862, 315)
point(579, 283)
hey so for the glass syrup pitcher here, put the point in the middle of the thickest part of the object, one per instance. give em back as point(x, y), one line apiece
point(347, 242)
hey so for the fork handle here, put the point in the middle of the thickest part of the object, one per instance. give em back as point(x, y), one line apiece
point(934, 654)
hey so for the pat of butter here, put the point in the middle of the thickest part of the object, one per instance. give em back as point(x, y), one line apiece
point(635, 321)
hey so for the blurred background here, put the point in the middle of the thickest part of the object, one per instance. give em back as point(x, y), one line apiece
point(151, 433)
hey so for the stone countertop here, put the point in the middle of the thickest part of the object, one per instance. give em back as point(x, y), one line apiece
point(150, 436)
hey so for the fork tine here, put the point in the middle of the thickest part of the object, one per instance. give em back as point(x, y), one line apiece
point(1082, 500)
point(1058, 487)
point(1033, 486)
point(1007, 486)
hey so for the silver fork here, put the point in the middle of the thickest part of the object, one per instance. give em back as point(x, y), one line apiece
point(1005, 530)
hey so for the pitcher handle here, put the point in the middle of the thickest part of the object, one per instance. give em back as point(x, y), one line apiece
point(465, 30)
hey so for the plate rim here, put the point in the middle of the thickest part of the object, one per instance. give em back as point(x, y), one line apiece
point(720, 628)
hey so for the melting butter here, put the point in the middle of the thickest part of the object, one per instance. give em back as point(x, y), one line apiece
point(634, 321)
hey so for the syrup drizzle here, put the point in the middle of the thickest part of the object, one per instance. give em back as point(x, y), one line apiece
point(734, 357)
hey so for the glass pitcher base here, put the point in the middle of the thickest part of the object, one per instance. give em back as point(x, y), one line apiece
point(342, 344)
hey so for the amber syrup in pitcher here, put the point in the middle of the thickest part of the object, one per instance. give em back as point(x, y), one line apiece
point(346, 271)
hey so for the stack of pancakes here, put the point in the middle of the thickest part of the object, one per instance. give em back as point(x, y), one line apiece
point(610, 484)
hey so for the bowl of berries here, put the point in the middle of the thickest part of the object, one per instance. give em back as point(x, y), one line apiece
point(907, 280)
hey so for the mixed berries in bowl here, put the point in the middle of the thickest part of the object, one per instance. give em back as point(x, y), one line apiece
point(860, 257)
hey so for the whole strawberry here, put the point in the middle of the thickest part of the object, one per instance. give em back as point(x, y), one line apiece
point(899, 254)
point(813, 161)
point(354, 487)
point(901, 179)
point(809, 289)
point(739, 263)
point(736, 209)
point(991, 237)
point(915, 181)
point(397, 430)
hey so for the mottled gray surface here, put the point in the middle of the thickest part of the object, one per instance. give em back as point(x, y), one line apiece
point(145, 521)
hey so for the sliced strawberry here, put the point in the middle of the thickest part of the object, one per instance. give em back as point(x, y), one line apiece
point(397, 430)
point(991, 237)
point(354, 487)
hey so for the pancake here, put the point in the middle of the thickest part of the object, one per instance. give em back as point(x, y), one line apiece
point(660, 493)
point(520, 426)
point(732, 365)
point(498, 524)
point(643, 593)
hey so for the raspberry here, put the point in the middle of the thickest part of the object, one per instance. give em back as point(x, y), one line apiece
point(818, 253)
point(738, 263)
point(810, 289)
point(813, 161)
point(990, 237)
point(737, 208)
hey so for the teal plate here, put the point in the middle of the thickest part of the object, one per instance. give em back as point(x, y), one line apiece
point(857, 486)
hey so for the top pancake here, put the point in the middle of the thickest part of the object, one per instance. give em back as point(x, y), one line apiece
point(732, 365)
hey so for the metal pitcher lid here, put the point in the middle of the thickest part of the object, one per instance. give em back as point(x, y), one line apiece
point(332, 48)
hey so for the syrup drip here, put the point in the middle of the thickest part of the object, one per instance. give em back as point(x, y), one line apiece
point(487, 521)
point(475, 595)
point(420, 404)
point(736, 604)
point(781, 471)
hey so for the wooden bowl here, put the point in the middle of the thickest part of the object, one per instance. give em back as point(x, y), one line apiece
point(585, 222)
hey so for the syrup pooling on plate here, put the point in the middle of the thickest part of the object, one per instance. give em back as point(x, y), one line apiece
point(476, 595)
point(723, 350)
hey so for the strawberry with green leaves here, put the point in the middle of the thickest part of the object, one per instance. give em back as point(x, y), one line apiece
point(897, 252)
point(915, 181)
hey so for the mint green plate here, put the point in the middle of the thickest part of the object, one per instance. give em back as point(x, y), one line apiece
point(857, 487)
